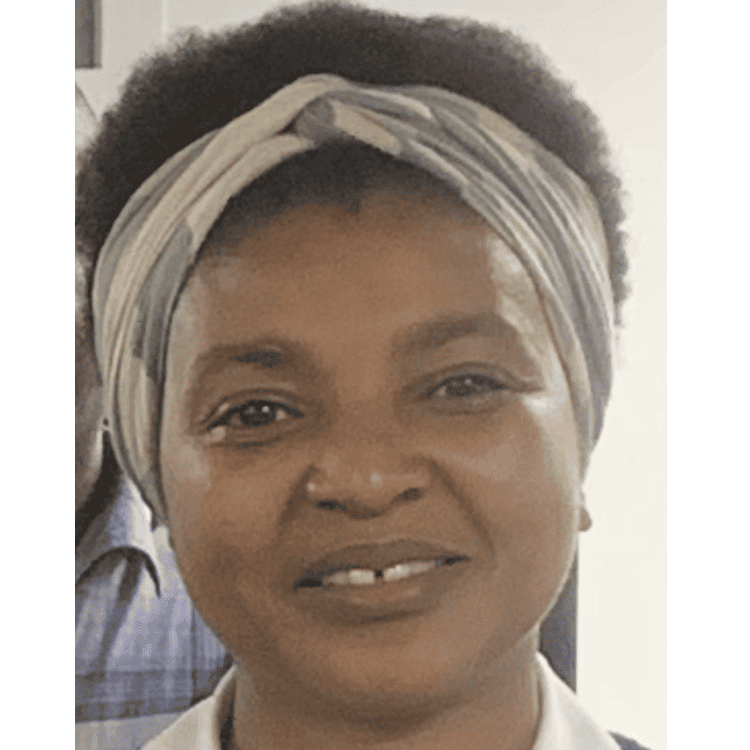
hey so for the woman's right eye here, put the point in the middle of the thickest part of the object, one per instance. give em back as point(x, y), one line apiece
point(467, 386)
point(252, 415)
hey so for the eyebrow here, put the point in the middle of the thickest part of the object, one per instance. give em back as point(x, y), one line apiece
point(264, 355)
point(420, 338)
point(437, 333)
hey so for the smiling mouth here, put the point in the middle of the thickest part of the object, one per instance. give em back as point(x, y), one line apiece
point(375, 564)
point(387, 581)
point(361, 576)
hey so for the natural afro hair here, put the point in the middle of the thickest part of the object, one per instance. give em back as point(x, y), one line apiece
point(205, 81)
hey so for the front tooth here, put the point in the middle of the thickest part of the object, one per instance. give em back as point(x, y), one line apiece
point(404, 570)
point(359, 577)
point(356, 577)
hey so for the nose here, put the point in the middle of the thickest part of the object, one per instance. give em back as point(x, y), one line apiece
point(365, 472)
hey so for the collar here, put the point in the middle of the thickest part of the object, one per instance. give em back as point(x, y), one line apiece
point(124, 524)
point(564, 724)
point(200, 727)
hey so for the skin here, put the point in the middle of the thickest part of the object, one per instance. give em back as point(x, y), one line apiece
point(365, 406)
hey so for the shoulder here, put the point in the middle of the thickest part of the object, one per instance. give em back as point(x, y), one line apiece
point(627, 744)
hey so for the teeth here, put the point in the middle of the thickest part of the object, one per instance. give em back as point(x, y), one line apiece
point(404, 570)
point(355, 577)
point(364, 577)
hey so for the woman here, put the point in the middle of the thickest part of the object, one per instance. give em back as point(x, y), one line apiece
point(356, 284)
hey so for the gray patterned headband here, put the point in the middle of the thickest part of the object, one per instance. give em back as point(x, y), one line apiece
point(539, 207)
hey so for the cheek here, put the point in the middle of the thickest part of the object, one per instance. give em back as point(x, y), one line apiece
point(521, 499)
point(226, 509)
point(224, 519)
point(518, 478)
point(222, 498)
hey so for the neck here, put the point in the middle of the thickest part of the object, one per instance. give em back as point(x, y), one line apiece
point(499, 711)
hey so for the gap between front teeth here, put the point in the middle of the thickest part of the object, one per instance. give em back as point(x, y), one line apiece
point(365, 577)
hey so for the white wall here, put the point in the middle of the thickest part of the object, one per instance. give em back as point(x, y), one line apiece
point(614, 52)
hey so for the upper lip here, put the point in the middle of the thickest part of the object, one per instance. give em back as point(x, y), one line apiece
point(376, 556)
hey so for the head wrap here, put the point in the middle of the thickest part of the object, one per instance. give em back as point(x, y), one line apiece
point(535, 203)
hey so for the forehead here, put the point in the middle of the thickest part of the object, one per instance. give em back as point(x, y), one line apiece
point(397, 257)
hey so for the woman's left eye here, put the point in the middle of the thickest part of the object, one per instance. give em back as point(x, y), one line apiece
point(466, 386)
point(254, 414)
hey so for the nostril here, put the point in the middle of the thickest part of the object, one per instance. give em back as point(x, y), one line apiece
point(412, 493)
point(331, 505)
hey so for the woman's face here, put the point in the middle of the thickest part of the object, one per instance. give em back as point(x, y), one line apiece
point(368, 454)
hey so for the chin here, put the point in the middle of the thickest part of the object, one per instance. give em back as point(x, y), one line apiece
point(388, 693)
point(400, 682)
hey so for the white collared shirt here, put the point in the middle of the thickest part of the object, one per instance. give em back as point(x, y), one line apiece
point(564, 725)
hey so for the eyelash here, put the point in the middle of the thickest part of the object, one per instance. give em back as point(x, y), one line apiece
point(266, 412)
point(479, 385)
point(260, 408)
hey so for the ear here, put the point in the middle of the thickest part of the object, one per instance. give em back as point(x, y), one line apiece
point(584, 518)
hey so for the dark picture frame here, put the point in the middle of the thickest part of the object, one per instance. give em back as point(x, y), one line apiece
point(88, 33)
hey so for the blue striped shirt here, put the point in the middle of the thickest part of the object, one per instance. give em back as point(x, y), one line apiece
point(143, 654)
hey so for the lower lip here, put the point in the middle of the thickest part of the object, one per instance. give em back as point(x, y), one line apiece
point(381, 601)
